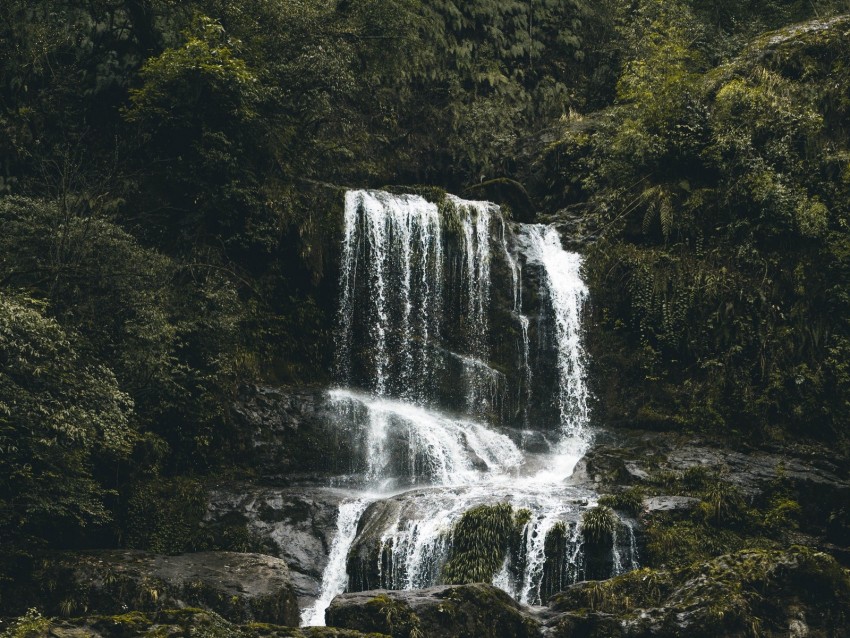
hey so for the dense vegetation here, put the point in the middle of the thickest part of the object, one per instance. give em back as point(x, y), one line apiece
point(169, 172)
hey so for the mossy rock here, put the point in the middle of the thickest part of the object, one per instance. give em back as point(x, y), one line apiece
point(162, 624)
point(240, 587)
point(767, 591)
point(464, 611)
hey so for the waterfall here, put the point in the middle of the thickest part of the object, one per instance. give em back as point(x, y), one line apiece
point(516, 289)
point(396, 241)
point(424, 380)
point(568, 293)
point(406, 441)
point(534, 534)
point(334, 578)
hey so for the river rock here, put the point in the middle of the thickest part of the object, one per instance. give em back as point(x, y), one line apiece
point(300, 522)
point(464, 611)
point(240, 587)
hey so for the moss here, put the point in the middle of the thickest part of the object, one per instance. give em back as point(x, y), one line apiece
point(398, 619)
point(490, 610)
point(129, 624)
point(480, 542)
point(629, 501)
point(598, 525)
point(175, 622)
point(522, 517)
point(727, 595)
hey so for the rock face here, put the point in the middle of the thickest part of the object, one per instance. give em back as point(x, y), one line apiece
point(815, 476)
point(300, 522)
point(631, 456)
point(289, 435)
point(240, 587)
point(465, 611)
point(798, 592)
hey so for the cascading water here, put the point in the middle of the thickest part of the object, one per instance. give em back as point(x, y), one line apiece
point(390, 292)
point(427, 378)
point(568, 292)
point(334, 578)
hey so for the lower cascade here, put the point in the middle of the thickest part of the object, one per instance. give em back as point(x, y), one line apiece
point(462, 387)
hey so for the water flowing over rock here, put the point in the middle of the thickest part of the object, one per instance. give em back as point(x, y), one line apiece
point(568, 292)
point(461, 379)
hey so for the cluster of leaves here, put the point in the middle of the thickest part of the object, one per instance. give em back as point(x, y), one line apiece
point(629, 500)
point(63, 420)
point(480, 541)
point(720, 278)
point(723, 520)
point(135, 223)
point(598, 525)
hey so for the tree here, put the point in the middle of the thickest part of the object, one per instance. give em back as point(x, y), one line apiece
point(59, 412)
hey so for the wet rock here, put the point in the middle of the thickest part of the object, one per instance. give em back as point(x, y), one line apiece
point(669, 504)
point(635, 473)
point(301, 522)
point(291, 435)
point(240, 587)
point(464, 611)
point(365, 558)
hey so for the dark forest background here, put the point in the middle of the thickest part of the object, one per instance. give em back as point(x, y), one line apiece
point(170, 197)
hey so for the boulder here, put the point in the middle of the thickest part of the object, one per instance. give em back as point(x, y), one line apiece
point(464, 611)
point(299, 521)
point(239, 587)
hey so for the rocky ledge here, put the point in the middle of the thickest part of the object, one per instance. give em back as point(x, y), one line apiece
point(667, 470)
point(464, 611)
point(177, 623)
point(796, 592)
point(239, 587)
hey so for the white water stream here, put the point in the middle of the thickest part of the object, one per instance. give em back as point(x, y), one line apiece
point(425, 466)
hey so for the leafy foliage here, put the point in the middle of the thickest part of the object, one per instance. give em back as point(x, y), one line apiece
point(30, 624)
point(480, 542)
point(598, 525)
point(720, 194)
point(60, 414)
